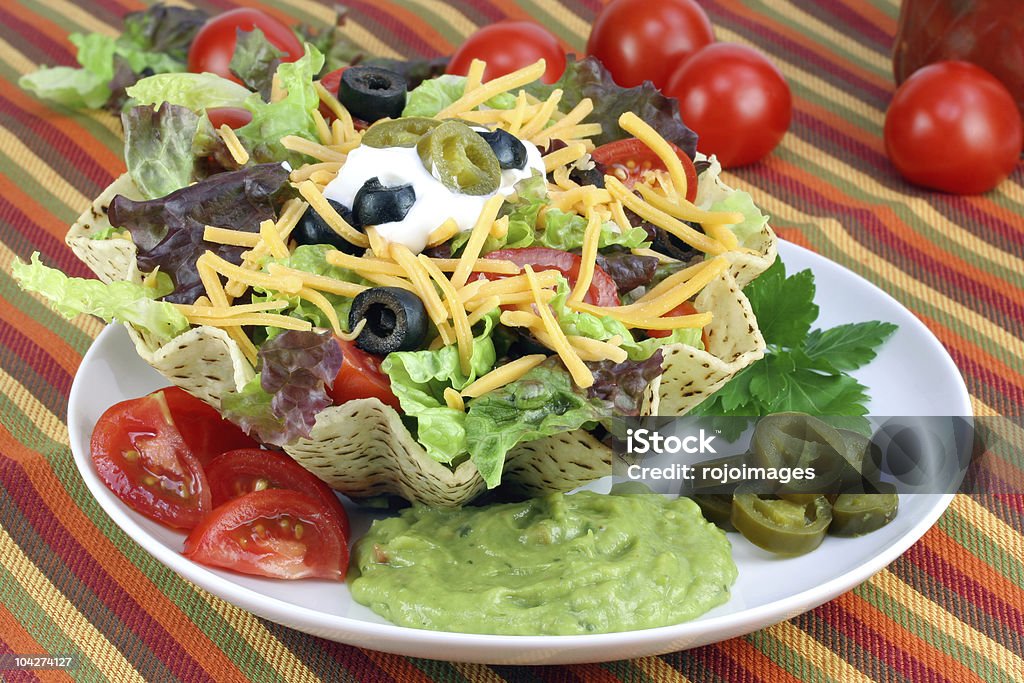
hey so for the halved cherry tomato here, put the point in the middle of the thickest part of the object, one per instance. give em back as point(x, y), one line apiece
point(214, 44)
point(206, 433)
point(628, 159)
point(235, 117)
point(361, 377)
point(685, 308)
point(245, 470)
point(277, 533)
point(602, 292)
point(140, 454)
point(332, 80)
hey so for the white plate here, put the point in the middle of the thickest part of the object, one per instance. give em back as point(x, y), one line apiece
point(913, 375)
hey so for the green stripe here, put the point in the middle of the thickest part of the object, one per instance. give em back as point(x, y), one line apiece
point(438, 671)
point(42, 628)
point(916, 624)
point(183, 593)
point(846, 646)
point(43, 9)
point(785, 656)
point(627, 670)
point(447, 30)
point(539, 12)
point(978, 544)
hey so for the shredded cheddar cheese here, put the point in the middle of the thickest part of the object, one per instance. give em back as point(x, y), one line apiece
point(506, 374)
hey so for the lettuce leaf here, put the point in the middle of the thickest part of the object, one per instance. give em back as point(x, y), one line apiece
point(280, 404)
point(312, 258)
point(563, 230)
point(168, 231)
point(195, 91)
point(431, 96)
point(753, 219)
point(154, 40)
point(119, 301)
point(588, 78)
point(255, 61)
point(158, 148)
point(419, 378)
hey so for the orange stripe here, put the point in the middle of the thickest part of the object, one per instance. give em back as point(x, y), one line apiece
point(973, 567)
point(149, 597)
point(903, 640)
point(42, 24)
point(888, 217)
point(45, 339)
point(512, 10)
point(794, 235)
point(33, 209)
point(593, 673)
point(952, 339)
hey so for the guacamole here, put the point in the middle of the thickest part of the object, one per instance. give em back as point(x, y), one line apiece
point(556, 565)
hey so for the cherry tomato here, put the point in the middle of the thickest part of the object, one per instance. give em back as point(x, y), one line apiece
point(508, 46)
point(214, 44)
point(235, 117)
point(953, 127)
point(332, 80)
point(245, 470)
point(602, 290)
point(685, 308)
point(361, 377)
point(206, 433)
point(736, 101)
point(642, 40)
point(628, 159)
point(140, 454)
point(277, 533)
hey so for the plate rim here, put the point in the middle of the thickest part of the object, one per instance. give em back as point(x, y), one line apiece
point(505, 648)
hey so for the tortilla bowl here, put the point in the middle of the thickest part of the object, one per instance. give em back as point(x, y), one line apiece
point(363, 449)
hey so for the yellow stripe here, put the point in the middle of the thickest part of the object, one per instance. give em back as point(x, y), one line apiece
point(998, 531)
point(65, 616)
point(946, 623)
point(41, 172)
point(87, 21)
point(657, 669)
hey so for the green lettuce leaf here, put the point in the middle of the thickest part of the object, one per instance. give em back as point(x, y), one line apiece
point(419, 378)
point(115, 301)
point(312, 258)
point(563, 230)
point(753, 219)
point(542, 402)
point(195, 91)
point(255, 61)
point(158, 148)
point(293, 115)
point(431, 96)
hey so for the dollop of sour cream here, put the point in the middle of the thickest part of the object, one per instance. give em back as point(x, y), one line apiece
point(434, 204)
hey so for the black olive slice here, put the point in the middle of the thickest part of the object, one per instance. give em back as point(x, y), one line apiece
point(372, 93)
point(375, 204)
point(396, 320)
point(313, 229)
point(509, 149)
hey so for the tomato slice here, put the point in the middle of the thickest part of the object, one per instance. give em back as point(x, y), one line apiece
point(235, 117)
point(277, 533)
point(628, 159)
point(245, 470)
point(141, 455)
point(206, 433)
point(685, 308)
point(360, 377)
point(602, 292)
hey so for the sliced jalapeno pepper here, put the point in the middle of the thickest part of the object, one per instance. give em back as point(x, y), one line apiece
point(856, 514)
point(399, 132)
point(796, 440)
point(781, 526)
point(461, 159)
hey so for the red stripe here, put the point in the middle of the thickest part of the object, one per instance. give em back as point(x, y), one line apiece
point(35, 36)
point(399, 36)
point(837, 14)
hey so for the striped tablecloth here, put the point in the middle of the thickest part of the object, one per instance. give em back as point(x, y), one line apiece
point(951, 608)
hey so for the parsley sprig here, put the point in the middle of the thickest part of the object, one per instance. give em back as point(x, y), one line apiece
point(803, 370)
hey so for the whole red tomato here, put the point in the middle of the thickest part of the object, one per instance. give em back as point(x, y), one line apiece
point(644, 40)
point(736, 101)
point(953, 127)
point(214, 44)
point(508, 46)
